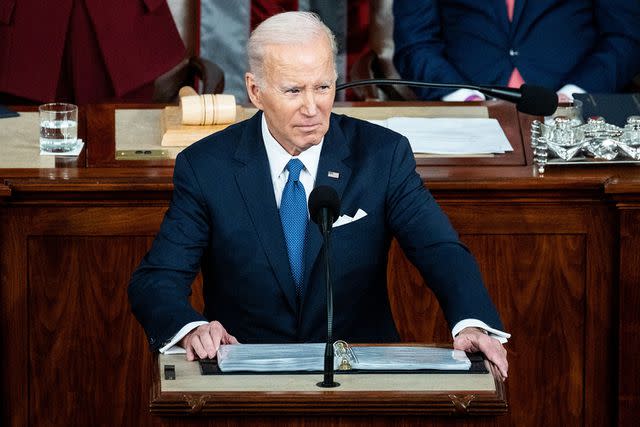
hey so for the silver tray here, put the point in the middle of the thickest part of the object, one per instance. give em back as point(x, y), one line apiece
point(570, 142)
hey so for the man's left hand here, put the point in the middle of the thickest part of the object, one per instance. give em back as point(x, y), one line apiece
point(475, 339)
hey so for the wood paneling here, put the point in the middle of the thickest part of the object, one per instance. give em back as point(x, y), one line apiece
point(85, 345)
point(78, 356)
point(538, 284)
point(629, 324)
point(543, 266)
point(13, 321)
point(542, 262)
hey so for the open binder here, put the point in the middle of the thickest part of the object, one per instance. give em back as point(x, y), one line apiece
point(309, 358)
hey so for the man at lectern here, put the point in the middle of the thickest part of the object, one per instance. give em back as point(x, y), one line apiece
point(239, 214)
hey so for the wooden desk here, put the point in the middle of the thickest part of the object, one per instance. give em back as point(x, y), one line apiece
point(558, 253)
point(102, 125)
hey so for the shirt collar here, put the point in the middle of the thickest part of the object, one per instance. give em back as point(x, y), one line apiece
point(278, 156)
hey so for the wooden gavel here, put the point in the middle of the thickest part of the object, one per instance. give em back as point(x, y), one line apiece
point(206, 109)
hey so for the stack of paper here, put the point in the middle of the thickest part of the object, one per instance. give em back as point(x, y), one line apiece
point(409, 358)
point(310, 357)
point(450, 136)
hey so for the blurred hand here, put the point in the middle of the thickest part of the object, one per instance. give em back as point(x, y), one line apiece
point(475, 339)
point(205, 340)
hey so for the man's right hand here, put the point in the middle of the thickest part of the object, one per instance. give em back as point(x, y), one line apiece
point(204, 340)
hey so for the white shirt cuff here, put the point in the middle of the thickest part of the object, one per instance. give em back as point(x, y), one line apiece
point(462, 95)
point(501, 336)
point(171, 347)
point(569, 90)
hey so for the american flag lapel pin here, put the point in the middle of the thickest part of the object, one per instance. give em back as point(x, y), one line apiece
point(333, 174)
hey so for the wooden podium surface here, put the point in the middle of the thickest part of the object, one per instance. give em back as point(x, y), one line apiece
point(558, 253)
point(191, 393)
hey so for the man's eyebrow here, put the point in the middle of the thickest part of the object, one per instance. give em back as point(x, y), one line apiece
point(287, 86)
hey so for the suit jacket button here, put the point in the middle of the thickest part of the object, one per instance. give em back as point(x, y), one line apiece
point(513, 52)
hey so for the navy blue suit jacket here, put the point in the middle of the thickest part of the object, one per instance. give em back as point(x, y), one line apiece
point(223, 219)
point(594, 44)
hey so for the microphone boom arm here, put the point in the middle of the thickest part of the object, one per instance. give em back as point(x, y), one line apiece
point(529, 99)
point(506, 93)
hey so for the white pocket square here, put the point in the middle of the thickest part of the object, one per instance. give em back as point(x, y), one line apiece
point(346, 219)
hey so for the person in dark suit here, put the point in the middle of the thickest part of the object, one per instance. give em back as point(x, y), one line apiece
point(230, 217)
point(85, 51)
point(568, 46)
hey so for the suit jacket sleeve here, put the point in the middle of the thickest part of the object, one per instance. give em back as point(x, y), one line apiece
point(615, 59)
point(419, 48)
point(431, 244)
point(160, 287)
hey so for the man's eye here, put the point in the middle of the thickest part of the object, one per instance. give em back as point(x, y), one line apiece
point(293, 91)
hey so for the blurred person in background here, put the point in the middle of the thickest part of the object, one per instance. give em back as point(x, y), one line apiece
point(85, 51)
point(569, 46)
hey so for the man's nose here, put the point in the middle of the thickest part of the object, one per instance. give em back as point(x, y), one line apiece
point(309, 107)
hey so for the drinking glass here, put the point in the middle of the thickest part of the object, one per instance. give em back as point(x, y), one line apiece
point(58, 127)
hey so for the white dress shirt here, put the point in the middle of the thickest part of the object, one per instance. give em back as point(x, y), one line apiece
point(278, 159)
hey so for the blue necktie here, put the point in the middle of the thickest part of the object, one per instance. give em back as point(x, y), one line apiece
point(293, 215)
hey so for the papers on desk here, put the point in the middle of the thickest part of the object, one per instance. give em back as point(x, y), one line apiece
point(450, 136)
point(310, 357)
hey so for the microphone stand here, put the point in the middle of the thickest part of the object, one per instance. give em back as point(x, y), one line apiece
point(328, 381)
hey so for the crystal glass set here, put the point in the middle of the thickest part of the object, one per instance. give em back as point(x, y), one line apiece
point(563, 139)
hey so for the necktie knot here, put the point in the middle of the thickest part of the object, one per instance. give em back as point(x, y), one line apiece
point(294, 166)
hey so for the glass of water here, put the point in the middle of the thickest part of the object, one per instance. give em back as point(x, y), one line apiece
point(58, 127)
point(572, 111)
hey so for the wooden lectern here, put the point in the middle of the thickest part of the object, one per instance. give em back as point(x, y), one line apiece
point(358, 396)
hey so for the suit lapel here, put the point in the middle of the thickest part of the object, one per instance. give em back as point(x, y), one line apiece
point(334, 151)
point(502, 16)
point(501, 12)
point(518, 7)
point(255, 185)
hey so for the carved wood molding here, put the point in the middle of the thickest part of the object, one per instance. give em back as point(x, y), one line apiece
point(461, 403)
point(197, 402)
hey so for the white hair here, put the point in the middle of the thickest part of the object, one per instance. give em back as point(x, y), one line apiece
point(282, 29)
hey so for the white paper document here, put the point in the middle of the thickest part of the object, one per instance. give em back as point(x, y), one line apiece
point(450, 136)
point(310, 357)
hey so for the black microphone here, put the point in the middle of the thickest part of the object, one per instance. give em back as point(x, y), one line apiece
point(529, 99)
point(324, 208)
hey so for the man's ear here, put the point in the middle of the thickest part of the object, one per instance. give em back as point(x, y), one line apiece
point(253, 90)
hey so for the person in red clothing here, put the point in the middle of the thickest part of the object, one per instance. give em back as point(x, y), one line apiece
point(85, 51)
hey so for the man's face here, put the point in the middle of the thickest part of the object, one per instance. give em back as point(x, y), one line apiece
point(297, 92)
